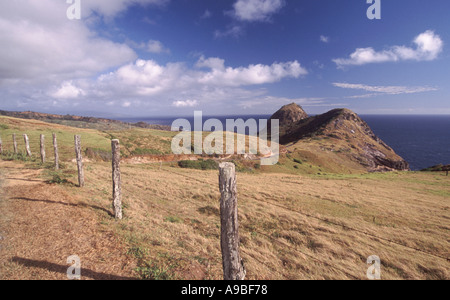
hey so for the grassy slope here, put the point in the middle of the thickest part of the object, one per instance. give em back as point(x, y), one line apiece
point(287, 215)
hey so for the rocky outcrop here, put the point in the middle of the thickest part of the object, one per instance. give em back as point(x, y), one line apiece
point(288, 116)
point(345, 129)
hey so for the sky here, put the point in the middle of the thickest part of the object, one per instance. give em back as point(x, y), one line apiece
point(154, 58)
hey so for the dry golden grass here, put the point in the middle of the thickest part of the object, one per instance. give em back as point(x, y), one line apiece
point(294, 223)
point(292, 227)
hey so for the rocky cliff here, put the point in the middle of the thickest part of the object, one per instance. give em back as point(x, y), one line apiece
point(340, 131)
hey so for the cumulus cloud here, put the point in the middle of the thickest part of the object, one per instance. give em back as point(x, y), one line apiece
point(256, 10)
point(147, 77)
point(428, 46)
point(47, 60)
point(44, 45)
point(68, 91)
point(209, 81)
point(251, 75)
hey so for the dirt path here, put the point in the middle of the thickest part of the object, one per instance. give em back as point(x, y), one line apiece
point(41, 225)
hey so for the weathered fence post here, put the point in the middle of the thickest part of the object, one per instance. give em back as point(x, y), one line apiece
point(27, 144)
point(233, 267)
point(43, 148)
point(14, 143)
point(1, 146)
point(55, 147)
point(79, 158)
point(117, 185)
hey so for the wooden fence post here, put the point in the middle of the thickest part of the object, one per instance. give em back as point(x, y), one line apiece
point(117, 188)
point(55, 147)
point(14, 143)
point(79, 158)
point(27, 145)
point(43, 148)
point(1, 146)
point(233, 266)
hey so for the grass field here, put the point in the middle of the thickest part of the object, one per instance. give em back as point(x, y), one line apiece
point(298, 220)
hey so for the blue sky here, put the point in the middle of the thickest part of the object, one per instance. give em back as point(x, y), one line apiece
point(224, 57)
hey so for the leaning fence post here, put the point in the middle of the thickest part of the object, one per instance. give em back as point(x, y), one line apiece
point(117, 189)
point(43, 148)
point(14, 143)
point(55, 147)
point(79, 158)
point(27, 144)
point(233, 267)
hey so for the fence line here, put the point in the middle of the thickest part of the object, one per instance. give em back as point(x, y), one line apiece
point(233, 266)
point(55, 149)
point(230, 242)
point(333, 223)
point(79, 159)
point(42, 148)
point(116, 178)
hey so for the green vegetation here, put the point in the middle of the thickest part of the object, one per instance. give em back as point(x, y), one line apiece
point(173, 219)
point(141, 151)
point(199, 164)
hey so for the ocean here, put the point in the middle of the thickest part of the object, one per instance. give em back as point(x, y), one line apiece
point(422, 140)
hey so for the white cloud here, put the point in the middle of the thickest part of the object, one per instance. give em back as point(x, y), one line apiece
point(43, 45)
point(145, 83)
point(232, 30)
point(46, 59)
point(324, 39)
point(147, 77)
point(111, 8)
point(251, 75)
point(68, 91)
point(156, 47)
point(126, 104)
point(428, 46)
point(256, 10)
point(391, 90)
point(187, 103)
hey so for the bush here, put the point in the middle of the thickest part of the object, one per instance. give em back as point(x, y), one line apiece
point(298, 161)
point(199, 164)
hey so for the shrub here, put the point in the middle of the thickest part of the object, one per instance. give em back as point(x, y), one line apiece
point(198, 164)
point(298, 161)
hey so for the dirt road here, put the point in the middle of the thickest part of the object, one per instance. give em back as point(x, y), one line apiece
point(41, 225)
